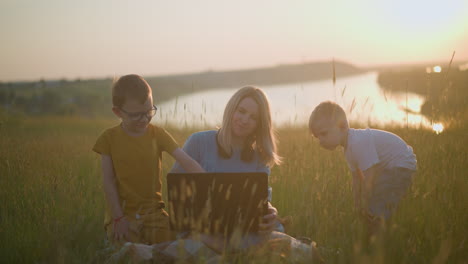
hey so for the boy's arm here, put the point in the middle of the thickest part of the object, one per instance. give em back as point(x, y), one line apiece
point(112, 197)
point(368, 181)
point(187, 163)
point(357, 189)
point(110, 187)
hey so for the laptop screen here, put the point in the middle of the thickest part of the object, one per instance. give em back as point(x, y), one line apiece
point(221, 203)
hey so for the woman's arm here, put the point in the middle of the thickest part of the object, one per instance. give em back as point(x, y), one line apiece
point(271, 220)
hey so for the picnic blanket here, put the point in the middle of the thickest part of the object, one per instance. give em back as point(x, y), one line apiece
point(275, 247)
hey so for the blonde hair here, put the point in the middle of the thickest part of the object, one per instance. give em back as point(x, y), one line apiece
point(130, 86)
point(327, 110)
point(263, 140)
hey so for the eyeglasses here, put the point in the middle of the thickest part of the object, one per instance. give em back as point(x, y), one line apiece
point(139, 115)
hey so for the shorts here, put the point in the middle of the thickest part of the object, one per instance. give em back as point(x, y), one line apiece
point(150, 228)
point(389, 187)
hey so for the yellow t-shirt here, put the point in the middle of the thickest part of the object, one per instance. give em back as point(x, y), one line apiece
point(137, 166)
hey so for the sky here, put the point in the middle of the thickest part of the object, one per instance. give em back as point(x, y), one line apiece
point(55, 39)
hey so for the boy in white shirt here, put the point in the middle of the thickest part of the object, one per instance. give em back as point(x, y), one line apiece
point(382, 164)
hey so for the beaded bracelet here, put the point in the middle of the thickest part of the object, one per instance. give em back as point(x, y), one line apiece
point(116, 220)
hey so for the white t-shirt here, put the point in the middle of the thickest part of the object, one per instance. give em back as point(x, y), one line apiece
point(368, 147)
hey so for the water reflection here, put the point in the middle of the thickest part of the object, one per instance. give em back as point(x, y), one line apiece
point(291, 104)
point(438, 128)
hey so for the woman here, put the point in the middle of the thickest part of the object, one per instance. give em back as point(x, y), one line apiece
point(245, 143)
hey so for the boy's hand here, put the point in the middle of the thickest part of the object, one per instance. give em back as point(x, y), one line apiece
point(367, 189)
point(187, 162)
point(121, 229)
point(367, 185)
point(357, 186)
point(357, 203)
point(270, 219)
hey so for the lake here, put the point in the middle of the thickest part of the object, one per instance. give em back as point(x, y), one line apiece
point(291, 104)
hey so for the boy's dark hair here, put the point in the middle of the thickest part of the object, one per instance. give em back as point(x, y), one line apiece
point(130, 86)
point(328, 110)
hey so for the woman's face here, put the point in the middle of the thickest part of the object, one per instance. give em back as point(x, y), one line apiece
point(245, 118)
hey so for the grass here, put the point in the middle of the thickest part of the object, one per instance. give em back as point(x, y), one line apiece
point(52, 200)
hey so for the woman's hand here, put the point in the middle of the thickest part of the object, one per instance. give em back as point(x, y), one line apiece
point(270, 220)
point(121, 228)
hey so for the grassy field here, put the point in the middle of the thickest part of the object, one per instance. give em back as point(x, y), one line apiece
point(52, 199)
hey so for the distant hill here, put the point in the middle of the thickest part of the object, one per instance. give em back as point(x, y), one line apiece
point(92, 97)
point(292, 73)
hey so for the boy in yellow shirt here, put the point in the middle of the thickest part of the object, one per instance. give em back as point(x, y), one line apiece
point(131, 155)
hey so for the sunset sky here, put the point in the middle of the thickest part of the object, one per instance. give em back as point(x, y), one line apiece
point(55, 39)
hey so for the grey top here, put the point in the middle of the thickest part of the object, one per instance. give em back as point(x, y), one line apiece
point(203, 148)
point(369, 147)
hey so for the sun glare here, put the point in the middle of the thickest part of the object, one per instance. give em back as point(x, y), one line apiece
point(436, 68)
point(438, 128)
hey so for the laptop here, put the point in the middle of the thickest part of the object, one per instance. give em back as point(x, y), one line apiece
point(217, 203)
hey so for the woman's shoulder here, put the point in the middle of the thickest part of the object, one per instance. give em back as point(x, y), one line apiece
point(200, 142)
point(204, 135)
